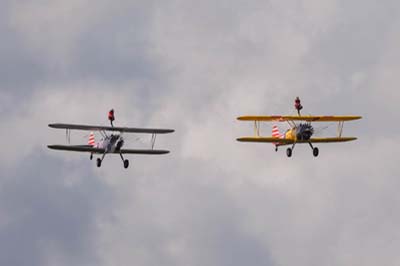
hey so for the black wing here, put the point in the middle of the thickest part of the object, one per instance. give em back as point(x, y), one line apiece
point(106, 128)
point(87, 148)
point(150, 152)
point(80, 148)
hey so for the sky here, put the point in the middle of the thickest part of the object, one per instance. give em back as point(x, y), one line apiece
point(195, 66)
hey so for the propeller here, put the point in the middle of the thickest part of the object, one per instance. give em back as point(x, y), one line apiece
point(318, 130)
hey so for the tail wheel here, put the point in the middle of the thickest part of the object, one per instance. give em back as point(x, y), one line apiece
point(98, 162)
point(289, 152)
point(126, 163)
point(315, 151)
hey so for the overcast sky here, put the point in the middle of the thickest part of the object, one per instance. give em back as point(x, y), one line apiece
point(195, 66)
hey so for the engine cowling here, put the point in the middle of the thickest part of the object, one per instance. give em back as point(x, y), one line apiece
point(304, 131)
point(119, 145)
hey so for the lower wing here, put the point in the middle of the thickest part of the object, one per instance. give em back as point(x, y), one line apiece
point(150, 152)
point(87, 148)
point(79, 148)
point(329, 140)
point(290, 141)
point(266, 139)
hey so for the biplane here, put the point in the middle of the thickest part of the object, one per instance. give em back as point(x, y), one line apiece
point(110, 142)
point(298, 133)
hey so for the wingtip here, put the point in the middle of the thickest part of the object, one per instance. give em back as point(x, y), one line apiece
point(166, 131)
point(161, 152)
point(55, 125)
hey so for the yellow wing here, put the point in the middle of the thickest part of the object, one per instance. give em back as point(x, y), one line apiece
point(265, 139)
point(334, 139)
point(290, 141)
point(310, 118)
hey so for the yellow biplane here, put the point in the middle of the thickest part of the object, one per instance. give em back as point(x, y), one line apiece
point(297, 133)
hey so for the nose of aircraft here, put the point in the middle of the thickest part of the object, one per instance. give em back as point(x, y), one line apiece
point(120, 143)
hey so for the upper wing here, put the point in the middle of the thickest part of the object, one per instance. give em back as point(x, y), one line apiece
point(288, 141)
point(120, 129)
point(81, 148)
point(310, 118)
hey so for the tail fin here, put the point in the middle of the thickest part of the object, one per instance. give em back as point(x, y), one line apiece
point(91, 141)
point(275, 132)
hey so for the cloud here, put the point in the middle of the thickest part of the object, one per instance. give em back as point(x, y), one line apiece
point(50, 212)
point(195, 66)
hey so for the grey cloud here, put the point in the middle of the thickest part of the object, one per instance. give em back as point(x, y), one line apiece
point(195, 66)
point(20, 70)
point(44, 214)
point(184, 219)
point(110, 47)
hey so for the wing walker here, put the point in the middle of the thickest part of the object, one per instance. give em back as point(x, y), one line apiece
point(298, 133)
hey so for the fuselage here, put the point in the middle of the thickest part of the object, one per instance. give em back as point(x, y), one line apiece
point(299, 132)
point(111, 143)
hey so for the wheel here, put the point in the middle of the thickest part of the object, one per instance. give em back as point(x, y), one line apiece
point(315, 151)
point(126, 163)
point(98, 162)
point(276, 148)
point(289, 152)
point(91, 156)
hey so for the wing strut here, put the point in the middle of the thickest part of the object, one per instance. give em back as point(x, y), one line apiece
point(153, 140)
point(68, 135)
point(291, 123)
point(340, 128)
point(257, 128)
point(103, 133)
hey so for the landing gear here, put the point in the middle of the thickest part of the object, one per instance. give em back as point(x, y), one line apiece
point(315, 151)
point(289, 152)
point(99, 161)
point(125, 161)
